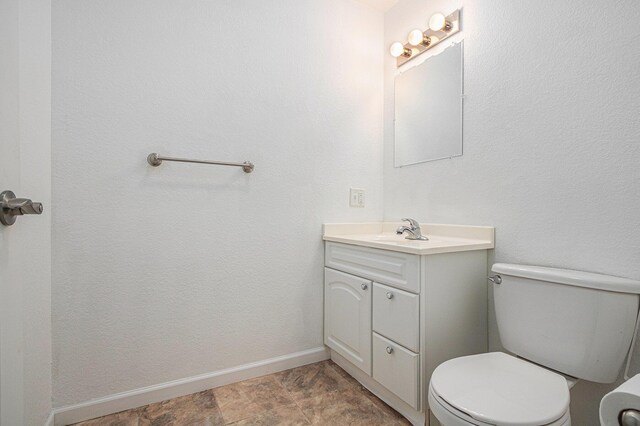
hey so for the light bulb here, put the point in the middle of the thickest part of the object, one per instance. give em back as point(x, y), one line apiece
point(417, 37)
point(439, 23)
point(397, 49)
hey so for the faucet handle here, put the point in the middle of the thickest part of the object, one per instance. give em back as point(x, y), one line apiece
point(414, 223)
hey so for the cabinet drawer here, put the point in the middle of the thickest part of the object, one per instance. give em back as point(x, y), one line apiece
point(397, 369)
point(400, 270)
point(396, 315)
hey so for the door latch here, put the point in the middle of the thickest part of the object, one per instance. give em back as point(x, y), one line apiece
point(11, 207)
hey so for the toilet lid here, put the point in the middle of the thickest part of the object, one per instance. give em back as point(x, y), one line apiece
point(501, 389)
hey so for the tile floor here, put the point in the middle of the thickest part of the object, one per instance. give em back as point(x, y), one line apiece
point(315, 394)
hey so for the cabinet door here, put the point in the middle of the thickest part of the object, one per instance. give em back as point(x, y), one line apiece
point(347, 317)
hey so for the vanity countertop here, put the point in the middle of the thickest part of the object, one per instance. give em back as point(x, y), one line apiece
point(382, 235)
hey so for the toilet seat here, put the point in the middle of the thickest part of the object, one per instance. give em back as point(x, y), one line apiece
point(498, 389)
point(449, 416)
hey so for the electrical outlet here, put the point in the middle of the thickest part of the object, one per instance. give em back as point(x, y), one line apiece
point(356, 197)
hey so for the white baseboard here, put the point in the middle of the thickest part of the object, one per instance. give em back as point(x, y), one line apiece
point(148, 395)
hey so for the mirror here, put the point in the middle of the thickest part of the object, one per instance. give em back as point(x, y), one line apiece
point(428, 109)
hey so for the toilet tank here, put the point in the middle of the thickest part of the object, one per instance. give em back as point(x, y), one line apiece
point(578, 323)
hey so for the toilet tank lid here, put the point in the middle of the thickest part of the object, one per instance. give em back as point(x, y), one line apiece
point(569, 277)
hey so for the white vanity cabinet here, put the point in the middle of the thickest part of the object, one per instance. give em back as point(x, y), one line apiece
point(392, 317)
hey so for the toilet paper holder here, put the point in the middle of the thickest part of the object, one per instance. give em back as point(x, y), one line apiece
point(629, 417)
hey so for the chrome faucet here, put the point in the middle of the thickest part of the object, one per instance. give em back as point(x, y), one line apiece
point(413, 230)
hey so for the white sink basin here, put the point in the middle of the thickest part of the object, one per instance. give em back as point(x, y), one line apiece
point(399, 240)
point(389, 238)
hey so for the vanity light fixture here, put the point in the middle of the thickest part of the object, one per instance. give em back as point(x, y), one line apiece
point(440, 28)
point(417, 37)
point(439, 23)
point(397, 49)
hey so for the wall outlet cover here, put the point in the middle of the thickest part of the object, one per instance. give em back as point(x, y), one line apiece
point(356, 197)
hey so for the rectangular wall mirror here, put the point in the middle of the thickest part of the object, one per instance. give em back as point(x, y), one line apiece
point(428, 109)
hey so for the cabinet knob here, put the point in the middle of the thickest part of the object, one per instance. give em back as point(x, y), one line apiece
point(389, 349)
point(364, 286)
point(389, 295)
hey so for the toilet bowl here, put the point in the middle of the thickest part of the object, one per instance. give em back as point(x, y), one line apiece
point(556, 322)
point(498, 389)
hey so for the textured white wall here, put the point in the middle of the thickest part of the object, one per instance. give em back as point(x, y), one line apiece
point(551, 138)
point(162, 273)
point(25, 247)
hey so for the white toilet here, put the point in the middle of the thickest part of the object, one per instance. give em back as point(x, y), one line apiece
point(561, 326)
